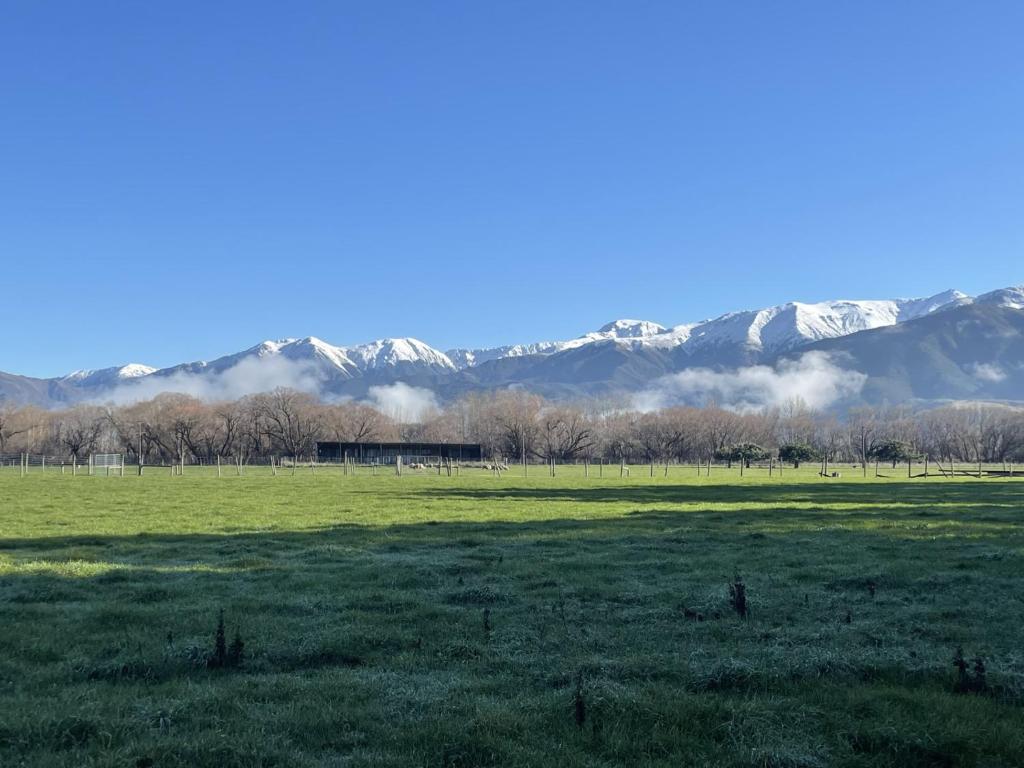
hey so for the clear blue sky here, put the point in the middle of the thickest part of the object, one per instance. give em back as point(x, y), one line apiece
point(180, 180)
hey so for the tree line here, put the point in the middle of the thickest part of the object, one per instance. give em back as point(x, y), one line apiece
point(514, 425)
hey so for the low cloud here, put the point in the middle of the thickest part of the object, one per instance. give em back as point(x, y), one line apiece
point(988, 372)
point(813, 378)
point(403, 402)
point(250, 376)
point(254, 375)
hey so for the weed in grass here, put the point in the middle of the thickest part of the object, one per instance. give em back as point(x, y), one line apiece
point(692, 615)
point(980, 681)
point(579, 705)
point(219, 657)
point(236, 651)
point(974, 681)
point(738, 597)
point(223, 655)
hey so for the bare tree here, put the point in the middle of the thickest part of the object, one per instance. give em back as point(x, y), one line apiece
point(79, 429)
point(292, 420)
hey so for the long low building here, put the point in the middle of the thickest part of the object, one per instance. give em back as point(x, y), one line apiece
point(388, 453)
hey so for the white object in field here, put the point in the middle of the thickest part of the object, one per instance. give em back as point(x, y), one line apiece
point(107, 461)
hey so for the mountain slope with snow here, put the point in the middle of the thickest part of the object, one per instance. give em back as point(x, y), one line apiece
point(617, 357)
point(769, 330)
point(1011, 298)
point(107, 377)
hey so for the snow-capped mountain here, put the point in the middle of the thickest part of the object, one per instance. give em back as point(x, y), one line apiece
point(107, 377)
point(1011, 298)
point(387, 353)
point(618, 357)
point(617, 329)
point(329, 362)
point(769, 330)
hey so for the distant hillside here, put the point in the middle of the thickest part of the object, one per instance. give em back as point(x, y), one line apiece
point(971, 352)
point(946, 346)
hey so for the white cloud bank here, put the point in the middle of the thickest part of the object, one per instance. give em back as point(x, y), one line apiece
point(813, 378)
point(402, 402)
point(251, 376)
point(247, 377)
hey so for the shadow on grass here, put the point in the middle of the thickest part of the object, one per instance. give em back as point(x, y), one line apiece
point(939, 492)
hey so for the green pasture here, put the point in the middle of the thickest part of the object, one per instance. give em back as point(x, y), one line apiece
point(477, 620)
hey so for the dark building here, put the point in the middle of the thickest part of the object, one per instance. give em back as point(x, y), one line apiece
point(387, 453)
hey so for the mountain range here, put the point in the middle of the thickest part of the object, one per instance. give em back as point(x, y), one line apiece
point(944, 347)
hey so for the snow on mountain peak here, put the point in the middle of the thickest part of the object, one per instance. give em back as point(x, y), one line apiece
point(386, 352)
point(1011, 298)
point(769, 330)
point(372, 355)
point(108, 376)
point(134, 370)
point(631, 329)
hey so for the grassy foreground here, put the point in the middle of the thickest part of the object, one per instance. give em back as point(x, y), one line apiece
point(473, 621)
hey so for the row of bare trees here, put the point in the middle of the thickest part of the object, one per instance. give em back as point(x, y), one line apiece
point(509, 424)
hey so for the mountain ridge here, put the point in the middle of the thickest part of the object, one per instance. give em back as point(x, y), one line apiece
point(620, 356)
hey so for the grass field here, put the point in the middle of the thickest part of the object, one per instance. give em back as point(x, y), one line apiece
point(472, 621)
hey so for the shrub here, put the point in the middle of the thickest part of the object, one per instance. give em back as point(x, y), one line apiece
point(796, 453)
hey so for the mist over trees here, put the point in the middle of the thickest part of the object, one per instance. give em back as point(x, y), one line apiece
point(513, 425)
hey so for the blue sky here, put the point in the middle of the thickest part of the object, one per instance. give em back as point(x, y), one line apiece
point(182, 180)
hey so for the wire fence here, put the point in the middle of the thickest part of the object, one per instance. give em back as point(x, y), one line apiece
point(106, 465)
